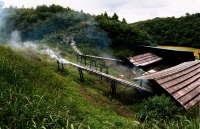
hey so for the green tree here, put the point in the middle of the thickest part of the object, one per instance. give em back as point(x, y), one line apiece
point(124, 20)
point(115, 17)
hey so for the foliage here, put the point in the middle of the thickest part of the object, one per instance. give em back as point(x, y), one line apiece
point(159, 107)
point(183, 31)
point(122, 36)
point(34, 96)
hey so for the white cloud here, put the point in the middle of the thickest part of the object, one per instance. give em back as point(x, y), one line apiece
point(131, 10)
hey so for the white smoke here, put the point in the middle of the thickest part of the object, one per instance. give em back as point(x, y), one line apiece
point(54, 56)
point(15, 39)
point(16, 43)
point(30, 45)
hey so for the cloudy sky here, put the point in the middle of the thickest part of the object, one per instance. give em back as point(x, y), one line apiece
point(131, 10)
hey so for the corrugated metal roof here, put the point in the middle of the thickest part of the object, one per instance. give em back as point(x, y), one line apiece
point(181, 81)
point(144, 59)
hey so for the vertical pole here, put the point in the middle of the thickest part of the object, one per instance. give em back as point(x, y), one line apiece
point(106, 70)
point(101, 71)
point(113, 88)
point(58, 63)
point(140, 82)
point(81, 58)
point(90, 63)
point(85, 60)
point(81, 74)
point(77, 59)
point(95, 64)
point(62, 67)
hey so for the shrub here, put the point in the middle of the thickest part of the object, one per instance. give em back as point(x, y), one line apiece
point(159, 107)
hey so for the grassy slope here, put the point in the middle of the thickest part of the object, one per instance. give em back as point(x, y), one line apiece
point(33, 95)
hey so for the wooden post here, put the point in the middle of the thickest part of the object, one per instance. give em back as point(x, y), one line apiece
point(85, 59)
point(58, 63)
point(113, 88)
point(140, 82)
point(106, 70)
point(62, 67)
point(81, 58)
point(101, 71)
point(91, 62)
point(81, 74)
point(77, 59)
point(95, 64)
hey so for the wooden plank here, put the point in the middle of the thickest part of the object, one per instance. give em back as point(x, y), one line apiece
point(104, 58)
point(124, 82)
point(187, 98)
point(169, 71)
point(187, 77)
point(144, 59)
point(186, 90)
point(169, 78)
point(193, 102)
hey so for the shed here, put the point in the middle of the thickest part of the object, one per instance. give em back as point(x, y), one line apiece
point(144, 59)
point(182, 82)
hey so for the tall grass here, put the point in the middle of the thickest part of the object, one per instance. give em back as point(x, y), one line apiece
point(29, 94)
point(34, 96)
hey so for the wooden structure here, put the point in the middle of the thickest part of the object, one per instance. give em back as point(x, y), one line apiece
point(173, 57)
point(113, 79)
point(181, 81)
point(82, 56)
point(144, 59)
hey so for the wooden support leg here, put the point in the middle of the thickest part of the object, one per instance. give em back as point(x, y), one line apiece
point(140, 83)
point(85, 60)
point(106, 70)
point(113, 88)
point(95, 64)
point(77, 59)
point(81, 74)
point(81, 58)
point(101, 71)
point(58, 63)
point(91, 62)
point(103, 63)
point(62, 67)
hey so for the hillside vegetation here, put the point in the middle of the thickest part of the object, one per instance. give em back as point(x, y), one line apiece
point(55, 24)
point(34, 94)
point(183, 31)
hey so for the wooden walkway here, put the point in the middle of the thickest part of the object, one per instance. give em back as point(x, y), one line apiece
point(112, 78)
point(79, 53)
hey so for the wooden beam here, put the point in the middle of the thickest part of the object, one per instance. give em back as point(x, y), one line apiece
point(81, 74)
point(113, 88)
point(58, 63)
point(101, 71)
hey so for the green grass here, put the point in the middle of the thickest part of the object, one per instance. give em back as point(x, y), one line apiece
point(33, 94)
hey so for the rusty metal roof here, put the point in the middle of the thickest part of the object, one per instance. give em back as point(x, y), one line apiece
point(181, 81)
point(144, 59)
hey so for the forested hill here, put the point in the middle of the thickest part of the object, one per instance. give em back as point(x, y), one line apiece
point(183, 31)
point(56, 24)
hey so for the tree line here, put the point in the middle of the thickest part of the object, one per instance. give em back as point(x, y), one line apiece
point(55, 23)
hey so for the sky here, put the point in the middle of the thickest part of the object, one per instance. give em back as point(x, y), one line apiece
point(131, 10)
